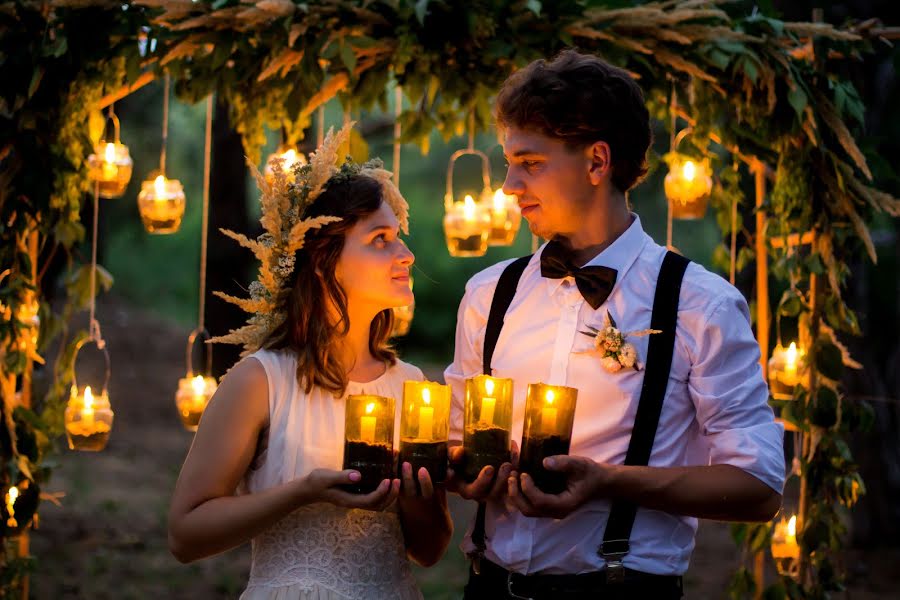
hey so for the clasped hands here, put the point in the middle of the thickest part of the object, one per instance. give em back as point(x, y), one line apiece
point(585, 480)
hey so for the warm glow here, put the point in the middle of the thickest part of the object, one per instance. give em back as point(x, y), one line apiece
point(110, 153)
point(469, 208)
point(160, 186)
point(199, 385)
point(370, 408)
point(426, 396)
point(790, 356)
point(792, 527)
point(13, 494)
point(489, 387)
point(550, 396)
point(689, 170)
point(88, 401)
point(499, 200)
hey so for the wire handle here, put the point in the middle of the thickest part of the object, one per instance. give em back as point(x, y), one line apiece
point(200, 332)
point(111, 116)
point(102, 348)
point(485, 173)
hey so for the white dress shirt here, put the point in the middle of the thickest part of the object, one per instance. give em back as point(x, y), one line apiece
point(715, 410)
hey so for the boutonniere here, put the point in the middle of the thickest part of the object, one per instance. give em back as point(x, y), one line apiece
point(615, 352)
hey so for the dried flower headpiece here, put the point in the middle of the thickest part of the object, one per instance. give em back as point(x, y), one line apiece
point(284, 231)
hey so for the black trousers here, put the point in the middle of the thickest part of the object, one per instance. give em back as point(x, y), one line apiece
point(493, 584)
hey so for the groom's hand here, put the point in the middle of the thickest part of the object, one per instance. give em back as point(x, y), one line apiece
point(584, 480)
point(323, 486)
point(486, 485)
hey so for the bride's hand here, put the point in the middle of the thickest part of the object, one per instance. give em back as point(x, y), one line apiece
point(322, 486)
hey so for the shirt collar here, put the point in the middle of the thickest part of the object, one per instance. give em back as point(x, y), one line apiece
point(619, 255)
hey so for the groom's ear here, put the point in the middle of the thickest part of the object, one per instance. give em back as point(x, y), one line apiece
point(600, 161)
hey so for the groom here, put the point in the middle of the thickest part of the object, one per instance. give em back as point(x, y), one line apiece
point(685, 433)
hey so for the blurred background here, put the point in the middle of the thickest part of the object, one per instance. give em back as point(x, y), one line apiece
point(107, 540)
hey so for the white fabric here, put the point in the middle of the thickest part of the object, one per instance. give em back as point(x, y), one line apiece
point(715, 411)
point(322, 551)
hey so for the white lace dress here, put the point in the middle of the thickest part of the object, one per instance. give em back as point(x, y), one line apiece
point(322, 551)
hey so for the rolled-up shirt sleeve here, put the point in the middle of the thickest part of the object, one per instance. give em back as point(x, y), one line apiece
point(731, 396)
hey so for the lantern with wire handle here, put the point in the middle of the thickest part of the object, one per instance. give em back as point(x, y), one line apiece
point(19, 507)
point(506, 218)
point(467, 224)
point(195, 391)
point(688, 183)
point(785, 549)
point(88, 415)
point(110, 165)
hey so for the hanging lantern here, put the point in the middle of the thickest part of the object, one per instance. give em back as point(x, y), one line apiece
point(110, 165)
point(88, 416)
point(467, 224)
point(785, 549)
point(506, 217)
point(161, 204)
point(195, 391)
point(18, 508)
point(288, 157)
point(784, 370)
point(403, 316)
point(688, 185)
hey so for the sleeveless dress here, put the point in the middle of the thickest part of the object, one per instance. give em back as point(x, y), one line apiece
point(322, 551)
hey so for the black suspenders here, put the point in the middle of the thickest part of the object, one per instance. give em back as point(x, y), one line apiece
point(656, 375)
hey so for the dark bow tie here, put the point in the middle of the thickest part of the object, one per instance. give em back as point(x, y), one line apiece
point(594, 282)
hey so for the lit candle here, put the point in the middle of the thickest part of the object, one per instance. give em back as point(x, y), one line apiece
point(784, 539)
point(548, 414)
point(199, 387)
point(109, 163)
point(426, 416)
point(792, 531)
point(789, 377)
point(87, 413)
point(367, 425)
point(469, 208)
point(488, 403)
point(159, 186)
point(689, 170)
point(499, 205)
point(11, 496)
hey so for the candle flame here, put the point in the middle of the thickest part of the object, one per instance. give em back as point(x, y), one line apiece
point(499, 200)
point(160, 186)
point(88, 398)
point(792, 526)
point(13, 493)
point(199, 385)
point(110, 153)
point(489, 387)
point(469, 208)
point(550, 396)
point(791, 354)
point(689, 170)
point(370, 408)
point(426, 396)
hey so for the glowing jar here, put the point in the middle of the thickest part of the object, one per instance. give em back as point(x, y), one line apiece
point(18, 507)
point(369, 440)
point(549, 416)
point(161, 204)
point(785, 549)
point(688, 185)
point(424, 428)
point(784, 370)
point(88, 419)
point(506, 217)
point(110, 165)
point(284, 158)
point(467, 225)
point(194, 393)
point(488, 421)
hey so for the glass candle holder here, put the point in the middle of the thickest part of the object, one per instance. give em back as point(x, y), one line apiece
point(424, 428)
point(88, 419)
point(488, 421)
point(784, 370)
point(19, 504)
point(506, 218)
point(369, 440)
point(688, 185)
point(284, 158)
point(194, 393)
point(161, 204)
point(549, 416)
point(110, 166)
point(785, 549)
point(467, 225)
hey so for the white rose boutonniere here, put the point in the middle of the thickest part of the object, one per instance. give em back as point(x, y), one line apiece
point(615, 352)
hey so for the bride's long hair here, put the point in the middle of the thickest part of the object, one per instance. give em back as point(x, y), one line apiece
point(310, 330)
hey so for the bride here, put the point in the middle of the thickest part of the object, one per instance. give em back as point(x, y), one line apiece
point(266, 460)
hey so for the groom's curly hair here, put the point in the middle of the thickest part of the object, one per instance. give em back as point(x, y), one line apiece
point(580, 99)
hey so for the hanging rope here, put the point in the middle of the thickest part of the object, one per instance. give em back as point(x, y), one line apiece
point(733, 240)
point(320, 128)
point(673, 107)
point(165, 126)
point(398, 108)
point(207, 159)
point(349, 137)
point(472, 130)
point(94, 326)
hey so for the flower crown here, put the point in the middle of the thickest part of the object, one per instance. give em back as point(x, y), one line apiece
point(284, 231)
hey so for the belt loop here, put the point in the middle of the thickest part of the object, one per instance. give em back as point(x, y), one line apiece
point(509, 588)
point(615, 570)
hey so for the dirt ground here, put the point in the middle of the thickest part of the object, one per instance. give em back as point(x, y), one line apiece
point(108, 540)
